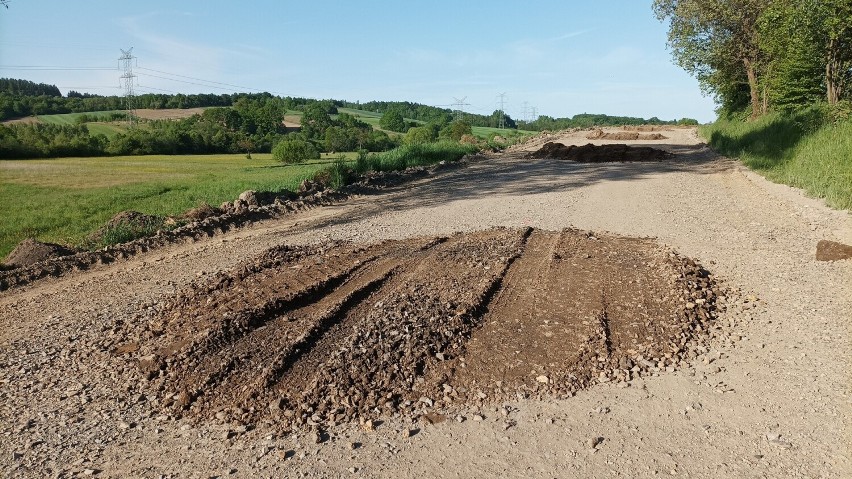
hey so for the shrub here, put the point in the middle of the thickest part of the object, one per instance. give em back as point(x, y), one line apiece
point(294, 150)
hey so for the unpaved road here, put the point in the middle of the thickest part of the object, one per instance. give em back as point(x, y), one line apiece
point(768, 397)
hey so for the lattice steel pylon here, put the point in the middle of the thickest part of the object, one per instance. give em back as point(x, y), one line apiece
point(127, 79)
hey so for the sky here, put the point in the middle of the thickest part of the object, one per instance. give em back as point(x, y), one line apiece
point(559, 57)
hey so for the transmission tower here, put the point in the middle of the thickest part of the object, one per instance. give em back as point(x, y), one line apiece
point(502, 111)
point(534, 116)
point(526, 112)
point(127, 80)
point(459, 110)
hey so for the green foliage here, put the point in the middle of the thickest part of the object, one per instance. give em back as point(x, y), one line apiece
point(294, 150)
point(406, 156)
point(125, 231)
point(420, 134)
point(456, 130)
point(803, 149)
point(759, 55)
point(392, 120)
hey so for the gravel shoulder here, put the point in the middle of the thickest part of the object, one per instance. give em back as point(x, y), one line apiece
point(768, 397)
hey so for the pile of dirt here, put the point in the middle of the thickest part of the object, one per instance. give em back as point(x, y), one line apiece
point(323, 335)
point(129, 219)
point(201, 212)
point(31, 251)
point(645, 128)
point(623, 136)
point(599, 154)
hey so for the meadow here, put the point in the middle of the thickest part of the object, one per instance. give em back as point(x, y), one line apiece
point(65, 199)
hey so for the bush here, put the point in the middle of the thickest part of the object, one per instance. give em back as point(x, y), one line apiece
point(418, 135)
point(406, 156)
point(294, 151)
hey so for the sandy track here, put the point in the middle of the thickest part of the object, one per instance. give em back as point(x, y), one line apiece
point(770, 397)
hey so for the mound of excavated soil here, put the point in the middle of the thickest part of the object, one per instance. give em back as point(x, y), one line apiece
point(624, 136)
point(599, 154)
point(132, 219)
point(323, 335)
point(31, 251)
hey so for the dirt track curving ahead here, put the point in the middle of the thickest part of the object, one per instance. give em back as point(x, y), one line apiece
point(106, 372)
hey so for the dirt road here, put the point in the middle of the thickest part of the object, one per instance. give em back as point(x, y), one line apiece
point(767, 395)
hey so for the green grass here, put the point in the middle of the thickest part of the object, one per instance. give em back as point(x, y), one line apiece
point(72, 118)
point(797, 150)
point(63, 200)
point(414, 155)
point(487, 133)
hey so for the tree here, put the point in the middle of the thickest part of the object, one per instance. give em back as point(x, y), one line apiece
point(717, 42)
point(392, 120)
point(294, 150)
point(456, 130)
point(419, 135)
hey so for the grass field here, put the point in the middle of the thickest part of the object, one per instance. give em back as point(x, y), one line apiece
point(794, 150)
point(63, 200)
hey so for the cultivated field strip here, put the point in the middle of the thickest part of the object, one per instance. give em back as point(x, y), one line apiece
point(322, 335)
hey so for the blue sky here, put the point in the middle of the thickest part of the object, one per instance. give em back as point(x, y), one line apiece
point(561, 57)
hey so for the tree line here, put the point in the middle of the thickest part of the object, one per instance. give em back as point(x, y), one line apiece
point(588, 120)
point(756, 56)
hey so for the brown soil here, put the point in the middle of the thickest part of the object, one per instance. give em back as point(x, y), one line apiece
point(624, 136)
point(31, 251)
point(324, 335)
point(646, 128)
point(833, 251)
point(599, 154)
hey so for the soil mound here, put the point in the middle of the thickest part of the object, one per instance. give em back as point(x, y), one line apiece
point(624, 136)
point(600, 154)
point(133, 220)
point(31, 251)
point(201, 212)
point(323, 335)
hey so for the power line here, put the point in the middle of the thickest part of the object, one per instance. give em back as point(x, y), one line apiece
point(460, 104)
point(203, 80)
point(51, 68)
point(128, 77)
point(502, 112)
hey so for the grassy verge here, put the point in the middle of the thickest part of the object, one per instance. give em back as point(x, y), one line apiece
point(414, 155)
point(63, 200)
point(798, 150)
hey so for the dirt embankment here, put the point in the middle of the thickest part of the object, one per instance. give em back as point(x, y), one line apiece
point(324, 335)
point(624, 135)
point(599, 154)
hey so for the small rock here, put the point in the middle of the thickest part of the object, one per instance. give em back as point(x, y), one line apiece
point(426, 401)
point(353, 469)
point(543, 379)
point(477, 417)
point(90, 472)
point(594, 442)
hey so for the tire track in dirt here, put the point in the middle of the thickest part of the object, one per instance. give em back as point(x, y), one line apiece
point(323, 335)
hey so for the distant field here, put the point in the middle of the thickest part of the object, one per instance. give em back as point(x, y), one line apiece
point(63, 200)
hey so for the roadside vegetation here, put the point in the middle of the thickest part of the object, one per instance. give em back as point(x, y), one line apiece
point(65, 199)
point(781, 71)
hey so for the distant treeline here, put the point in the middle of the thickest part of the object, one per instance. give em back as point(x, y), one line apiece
point(252, 124)
point(586, 120)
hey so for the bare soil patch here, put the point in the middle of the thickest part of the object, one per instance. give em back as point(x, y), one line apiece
point(624, 136)
point(169, 113)
point(31, 251)
point(599, 154)
point(324, 335)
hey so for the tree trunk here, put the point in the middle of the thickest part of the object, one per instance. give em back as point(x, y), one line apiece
point(832, 74)
point(753, 88)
